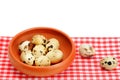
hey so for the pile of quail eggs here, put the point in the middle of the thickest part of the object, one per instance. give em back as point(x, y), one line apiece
point(40, 51)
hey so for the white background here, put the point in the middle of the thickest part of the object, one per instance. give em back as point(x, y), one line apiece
point(75, 17)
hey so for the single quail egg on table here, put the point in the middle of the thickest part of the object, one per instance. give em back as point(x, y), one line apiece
point(109, 63)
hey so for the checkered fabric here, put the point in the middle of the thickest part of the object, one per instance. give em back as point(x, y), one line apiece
point(80, 69)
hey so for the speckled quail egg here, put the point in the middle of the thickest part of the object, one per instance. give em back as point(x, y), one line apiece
point(27, 57)
point(42, 61)
point(52, 44)
point(24, 45)
point(38, 39)
point(38, 50)
point(55, 56)
point(86, 50)
point(109, 63)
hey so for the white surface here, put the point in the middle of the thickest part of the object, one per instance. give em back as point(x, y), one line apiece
point(74, 17)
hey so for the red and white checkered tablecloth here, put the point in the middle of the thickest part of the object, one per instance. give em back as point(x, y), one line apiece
point(80, 69)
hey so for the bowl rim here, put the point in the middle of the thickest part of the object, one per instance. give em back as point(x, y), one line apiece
point(33, 28)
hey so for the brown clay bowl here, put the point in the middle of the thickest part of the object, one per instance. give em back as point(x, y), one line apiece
point(66, 45)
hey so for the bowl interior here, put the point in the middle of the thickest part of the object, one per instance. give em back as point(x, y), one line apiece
point(65, 44)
